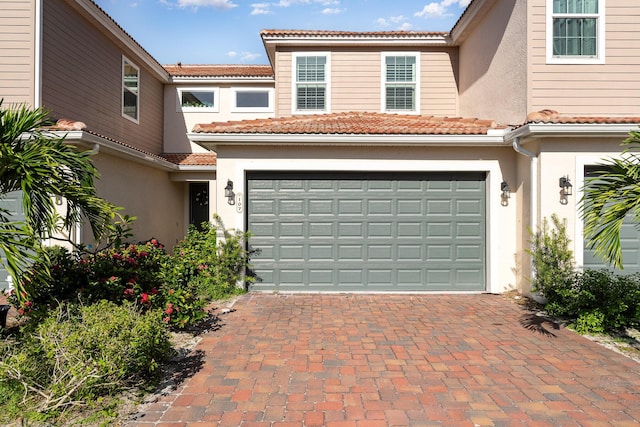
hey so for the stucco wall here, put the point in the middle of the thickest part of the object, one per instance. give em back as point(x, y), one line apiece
point(499, 163)
point(144, 192)
point(177, 122)
point(492, 76)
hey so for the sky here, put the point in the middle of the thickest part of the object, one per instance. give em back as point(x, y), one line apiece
point(227, 31)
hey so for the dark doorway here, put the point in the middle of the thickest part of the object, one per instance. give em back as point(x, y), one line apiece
point(198, 203)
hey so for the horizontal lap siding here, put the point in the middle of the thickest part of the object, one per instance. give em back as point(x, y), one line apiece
point(612, 88)
point(17, 35)
point(83, 80)
point(439, 93)
point(356, 81)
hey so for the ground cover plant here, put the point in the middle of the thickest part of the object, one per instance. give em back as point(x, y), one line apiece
point(100, 325)
point(595, 301)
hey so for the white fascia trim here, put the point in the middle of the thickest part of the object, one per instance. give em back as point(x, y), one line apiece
point(435, 40)
point(568, 129)
point(197, 168)
point(213, 80)
point(323, 139)
point(471, 15)
point(104, 145)
point(109, 25)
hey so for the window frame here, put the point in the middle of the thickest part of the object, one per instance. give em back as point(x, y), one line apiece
point(383, 82)
point(126, 61)
point(294, 83)
point(213, 109)
point(268, 109)
point(599, 58)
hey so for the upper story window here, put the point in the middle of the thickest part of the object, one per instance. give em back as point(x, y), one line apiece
point(400, 82)
point(253, 100)
point(130, 90)
point(575, 31)
point(311, 82)
point(198, 100)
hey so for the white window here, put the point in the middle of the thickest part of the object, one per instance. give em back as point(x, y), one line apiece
point(255, 100)
point(201, 99)
point(400, 86)
point(130, 90)
point(575, 31)
point(311, 82)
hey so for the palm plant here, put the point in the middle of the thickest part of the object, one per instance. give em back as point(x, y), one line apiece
point(43, 167)
point(610, 195)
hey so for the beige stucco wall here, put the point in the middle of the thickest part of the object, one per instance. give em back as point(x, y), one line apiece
point(609, 89)
point(568, 157)
point(17, 52)
point(355, 79)
point(83, 81)
point(147, 193)
point(499, 163)
point(492, 76)
point(177, 122)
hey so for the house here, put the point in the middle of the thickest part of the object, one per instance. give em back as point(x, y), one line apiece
point(362, 161)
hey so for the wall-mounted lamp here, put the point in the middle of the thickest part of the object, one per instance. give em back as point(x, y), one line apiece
point(566, 189)
point(506, 193)
point(228, 192)
point(58, 200)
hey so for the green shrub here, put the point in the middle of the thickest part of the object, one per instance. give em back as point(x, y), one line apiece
point(552, 260)
point(207, 266)
point(78, 354)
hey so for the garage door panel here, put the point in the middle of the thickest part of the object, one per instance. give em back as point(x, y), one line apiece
point(363, 231)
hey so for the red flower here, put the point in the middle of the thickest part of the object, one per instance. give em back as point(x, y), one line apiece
point(154, 291)
point(28, 304)
point(169, 309)
point(154, 242)
point(143, 254)
point(132, 280)
point(144, 298)
point(166, 319)
point(128, 293)
point(117, 257)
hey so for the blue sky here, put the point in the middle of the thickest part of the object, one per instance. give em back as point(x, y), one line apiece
point(227, 31)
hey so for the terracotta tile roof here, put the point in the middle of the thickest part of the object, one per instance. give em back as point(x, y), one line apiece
point(203, 70)
point(66, 125)
point(553, 117)
point(191, 159)
point(347, 34)
point(357, 123)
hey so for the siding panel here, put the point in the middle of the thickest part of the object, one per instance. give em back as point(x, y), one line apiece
point(17, 59)
point(86, 85)
point(590, 89)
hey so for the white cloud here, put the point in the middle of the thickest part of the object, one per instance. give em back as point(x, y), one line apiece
point(440, 8)
point(331, 11)
point(261, 9)
point(399, 22)
point(244, 56)
point(217, 4)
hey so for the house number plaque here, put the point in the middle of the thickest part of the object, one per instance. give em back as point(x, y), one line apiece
point(239, 205)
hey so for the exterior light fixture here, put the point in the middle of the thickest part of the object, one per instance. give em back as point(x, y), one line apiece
point(228, 192)
point(566, 189)
point(506, 193)
point(58, 200)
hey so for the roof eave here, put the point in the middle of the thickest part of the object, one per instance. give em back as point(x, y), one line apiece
point(111, 27)
point(103, 145)
point(471, 15)
point(588, 130)
point(235, 80)
point(210, 141)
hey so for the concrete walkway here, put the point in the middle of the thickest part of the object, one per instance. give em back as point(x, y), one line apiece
point(397, 360)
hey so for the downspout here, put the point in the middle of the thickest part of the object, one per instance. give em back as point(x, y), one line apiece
point(77, 232)
point(533, 208)
point(533, 196)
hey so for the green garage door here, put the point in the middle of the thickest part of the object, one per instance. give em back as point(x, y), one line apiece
point(13, 203)
point(629, 241)
point(367, 231)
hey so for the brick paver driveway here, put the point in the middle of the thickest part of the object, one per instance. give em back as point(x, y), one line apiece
point(403, 360)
